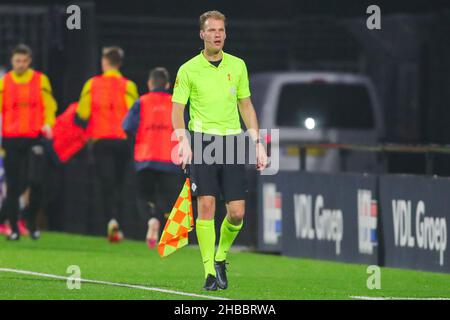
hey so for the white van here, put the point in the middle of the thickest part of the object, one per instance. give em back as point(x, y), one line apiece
point(319, 107)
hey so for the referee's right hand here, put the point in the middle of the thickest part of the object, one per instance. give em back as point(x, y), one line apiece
point(184, 153)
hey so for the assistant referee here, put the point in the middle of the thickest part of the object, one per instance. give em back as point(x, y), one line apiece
point(215, 84)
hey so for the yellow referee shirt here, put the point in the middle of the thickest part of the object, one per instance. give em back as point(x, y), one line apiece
point(213, 93)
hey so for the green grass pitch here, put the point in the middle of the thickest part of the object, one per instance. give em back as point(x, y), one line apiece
point(251, 275)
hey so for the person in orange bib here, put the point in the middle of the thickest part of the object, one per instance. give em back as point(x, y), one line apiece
point(103, 104)
point(159, 179)
point(28, 112)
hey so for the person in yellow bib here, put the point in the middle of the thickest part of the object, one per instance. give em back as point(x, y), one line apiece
point(104, 102)
point(28, 112)
point(217, 87)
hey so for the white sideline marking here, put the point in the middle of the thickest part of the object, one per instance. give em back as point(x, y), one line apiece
point(395, 298)
point(113, 284)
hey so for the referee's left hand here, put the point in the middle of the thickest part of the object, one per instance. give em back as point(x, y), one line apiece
point(261, 157)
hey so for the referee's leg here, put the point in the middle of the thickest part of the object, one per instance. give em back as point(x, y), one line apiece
point(234, 190)
point(204, 185)
point(230, 228)
point(206, 234)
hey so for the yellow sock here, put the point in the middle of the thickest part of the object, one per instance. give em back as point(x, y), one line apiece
point(228, 233)
point(206, 235)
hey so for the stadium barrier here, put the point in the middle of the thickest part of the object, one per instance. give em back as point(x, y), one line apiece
point(415, 211)
point(393, 220)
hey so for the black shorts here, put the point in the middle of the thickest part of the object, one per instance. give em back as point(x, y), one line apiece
point(225, 180)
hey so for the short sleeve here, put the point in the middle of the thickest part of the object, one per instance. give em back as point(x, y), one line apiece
point(181, 88)
point(50, 105)
point(243, 90)
point(1, 93)
point(45, 82)
point(84, 104)
point(131, 93)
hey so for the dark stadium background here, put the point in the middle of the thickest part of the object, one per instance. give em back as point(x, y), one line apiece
point(408, 60)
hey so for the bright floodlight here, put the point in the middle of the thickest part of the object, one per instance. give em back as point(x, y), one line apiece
point(310, 123)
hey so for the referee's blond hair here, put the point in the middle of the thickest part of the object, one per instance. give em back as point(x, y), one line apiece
point(214, 14)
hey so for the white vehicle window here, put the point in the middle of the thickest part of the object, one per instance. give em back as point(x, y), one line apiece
point(325, 105)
